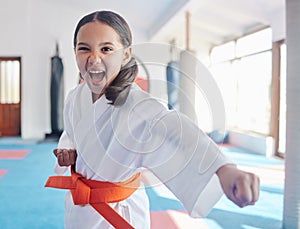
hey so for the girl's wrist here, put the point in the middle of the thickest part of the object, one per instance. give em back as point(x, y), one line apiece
point(225, 168)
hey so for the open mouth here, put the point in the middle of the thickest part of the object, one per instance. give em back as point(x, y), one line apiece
point(97, 76)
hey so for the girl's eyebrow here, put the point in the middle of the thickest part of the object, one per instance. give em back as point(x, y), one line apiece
point(101, 44)
point(106, 43)
point(82, 43)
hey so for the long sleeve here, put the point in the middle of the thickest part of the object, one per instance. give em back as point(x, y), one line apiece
point(185, 159)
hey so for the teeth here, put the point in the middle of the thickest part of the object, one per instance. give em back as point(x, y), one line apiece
point(97, 75)
point(96, 72)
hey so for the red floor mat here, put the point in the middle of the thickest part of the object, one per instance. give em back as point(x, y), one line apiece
point(2, 172)
point(13, 154)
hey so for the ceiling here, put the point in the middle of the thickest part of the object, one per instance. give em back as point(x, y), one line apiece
point(211, 22)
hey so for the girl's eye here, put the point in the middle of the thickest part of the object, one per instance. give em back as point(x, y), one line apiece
point(106, 49)
point(82, 48)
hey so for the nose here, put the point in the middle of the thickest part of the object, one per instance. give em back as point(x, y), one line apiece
point(94, 58)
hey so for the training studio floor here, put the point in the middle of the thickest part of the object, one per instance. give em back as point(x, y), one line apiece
point(24, 202)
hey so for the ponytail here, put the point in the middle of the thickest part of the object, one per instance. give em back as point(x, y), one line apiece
point(117, 92)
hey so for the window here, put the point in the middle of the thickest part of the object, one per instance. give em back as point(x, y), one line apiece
point(10, 96)
point(254, 43)
point(223, 52)
point(243, 71)
point(9, 81)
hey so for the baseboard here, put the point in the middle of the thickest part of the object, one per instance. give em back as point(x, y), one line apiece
point(255, 143)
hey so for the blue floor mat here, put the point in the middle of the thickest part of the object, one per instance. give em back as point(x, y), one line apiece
point(25, 203)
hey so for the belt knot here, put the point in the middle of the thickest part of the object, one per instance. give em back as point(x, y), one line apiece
point(82, 193)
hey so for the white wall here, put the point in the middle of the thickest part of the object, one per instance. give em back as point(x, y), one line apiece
point(30, 29)
point(278, 24)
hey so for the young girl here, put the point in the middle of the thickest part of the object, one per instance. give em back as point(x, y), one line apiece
point(113, 130)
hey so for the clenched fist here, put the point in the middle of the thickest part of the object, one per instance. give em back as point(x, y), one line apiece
point(239, 186)
point(65, 157)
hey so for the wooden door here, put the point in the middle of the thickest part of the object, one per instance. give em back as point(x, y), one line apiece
point(10, 96)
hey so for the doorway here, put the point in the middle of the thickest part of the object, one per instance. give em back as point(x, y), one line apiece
point(10, 96)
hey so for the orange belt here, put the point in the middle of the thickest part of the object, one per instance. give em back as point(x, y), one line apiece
point(97, 194)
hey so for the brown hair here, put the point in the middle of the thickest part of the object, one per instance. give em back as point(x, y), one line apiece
point(118, 90)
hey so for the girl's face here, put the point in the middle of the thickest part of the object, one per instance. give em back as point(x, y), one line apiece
point(100, 55)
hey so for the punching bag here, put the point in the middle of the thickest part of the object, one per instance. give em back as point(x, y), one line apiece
point(173, 84)
point(187, 64)
point(57, 94)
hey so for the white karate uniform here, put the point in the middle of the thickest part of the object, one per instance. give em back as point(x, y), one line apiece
point(114, 143)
